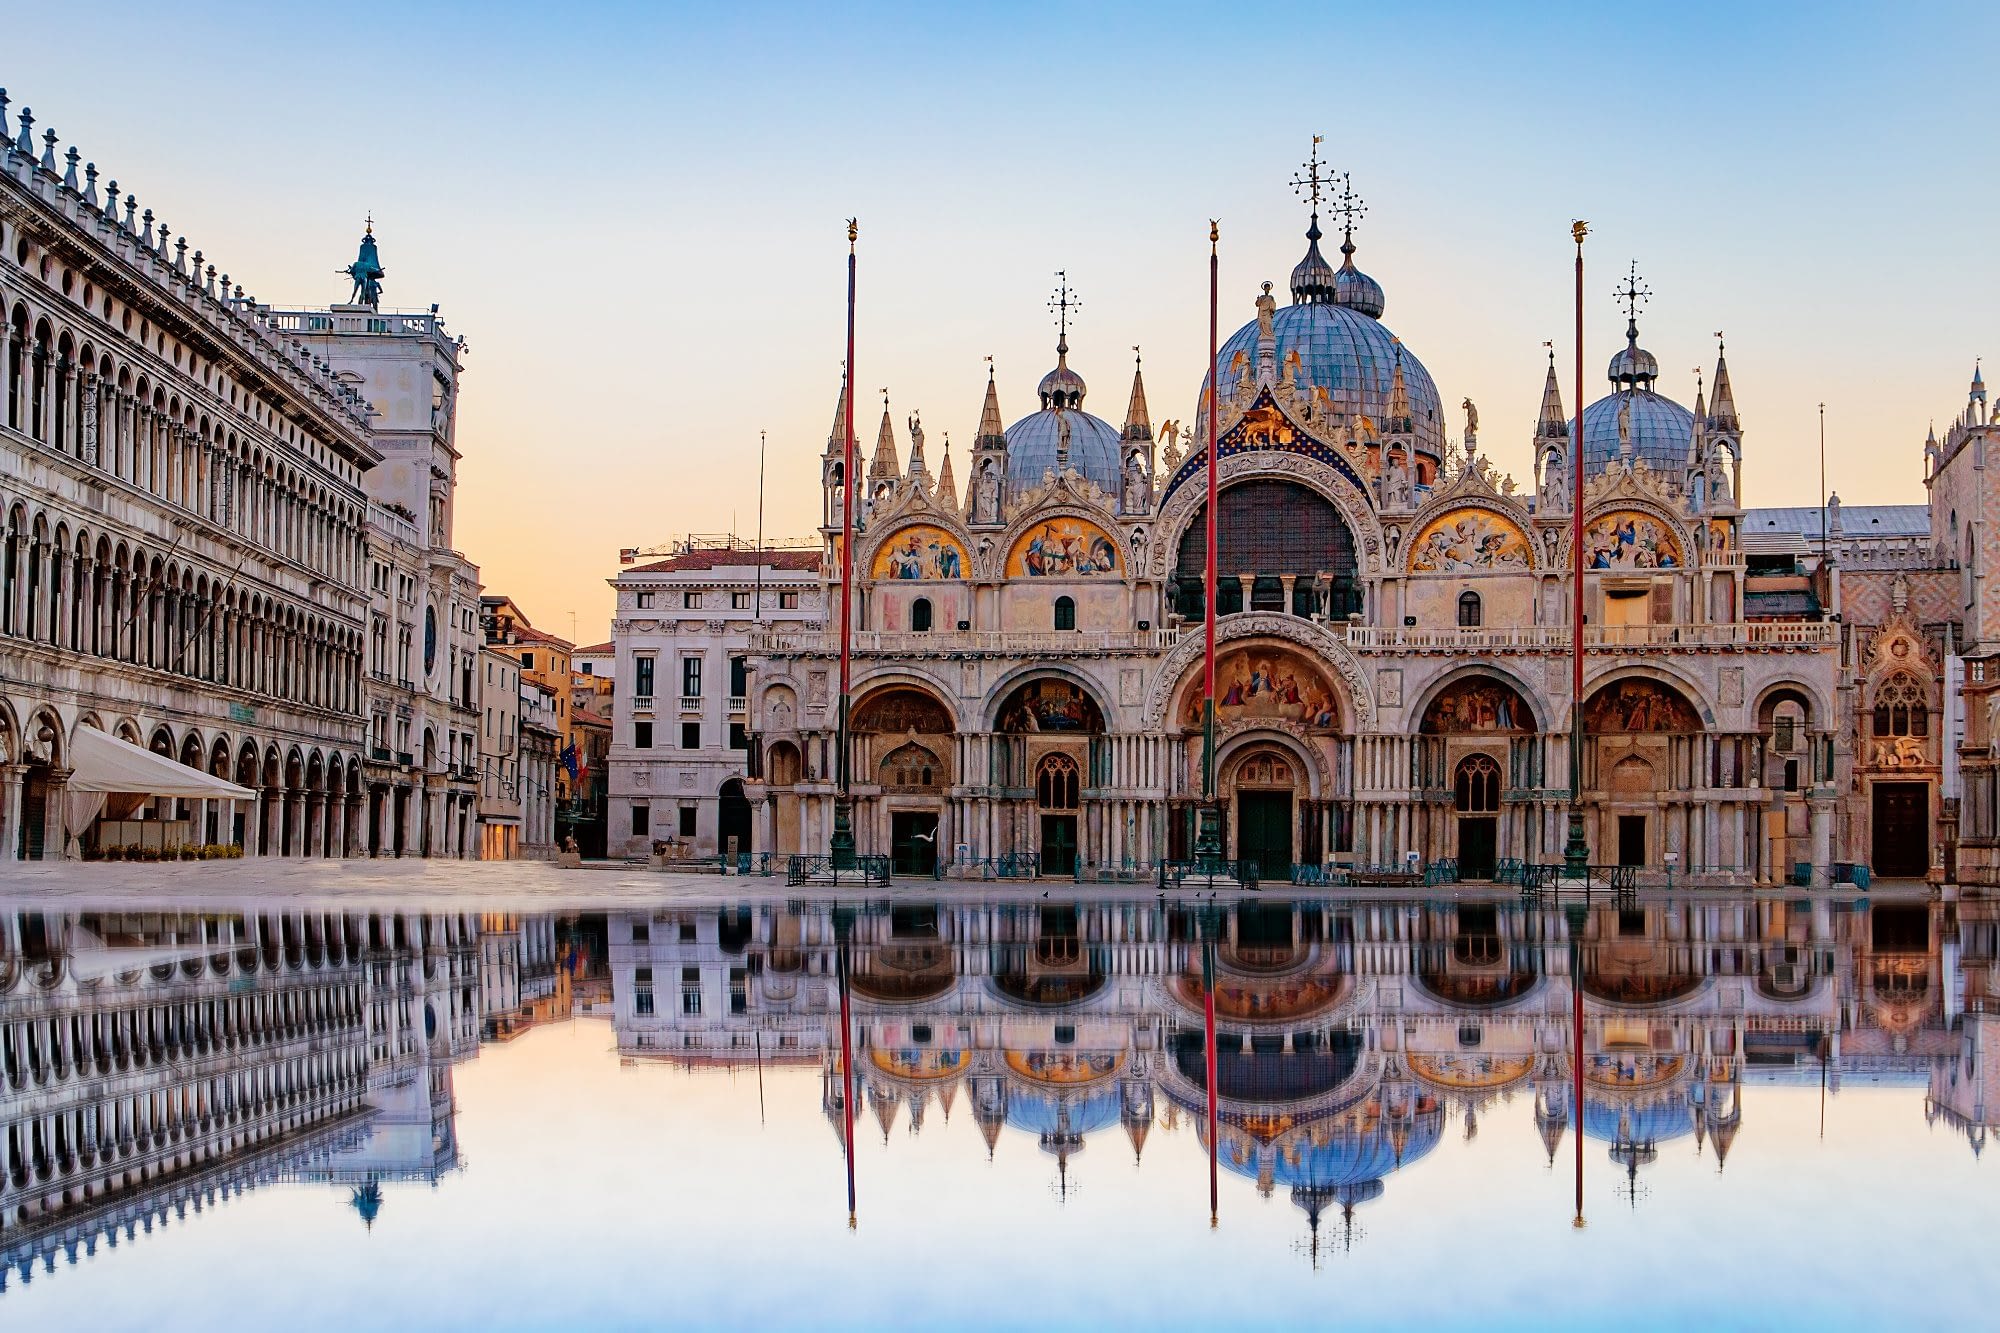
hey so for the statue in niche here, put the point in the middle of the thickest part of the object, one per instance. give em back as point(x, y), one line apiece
point(1718, 482)
point(1139, 550)
point(986, 505)
point(1396, 484)
point(1555, 483)
point(1134, 499)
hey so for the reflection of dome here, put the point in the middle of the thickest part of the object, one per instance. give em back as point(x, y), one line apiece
point(1033, 441)
point(1063, 1117)
point(1619, 1122)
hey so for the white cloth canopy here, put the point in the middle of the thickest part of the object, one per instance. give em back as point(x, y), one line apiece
point(103, 763)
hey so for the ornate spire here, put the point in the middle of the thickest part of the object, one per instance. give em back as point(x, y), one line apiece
point(1552, 424)
point(1698, 438)
point(836, 442)
point(1312, 278)
point(947, 497)
point(992, 433)
point(1399, 395)
point(884, 464)
point(1722, 403)
point(1138, 425)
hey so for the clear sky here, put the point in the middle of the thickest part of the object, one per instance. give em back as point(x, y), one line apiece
point(634, 214)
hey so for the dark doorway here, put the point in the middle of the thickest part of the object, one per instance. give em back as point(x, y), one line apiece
point(1264, 821)
point(1478, 841)
point(732, 819)
point(34, 811)
point(913, 842)
point(1902, 827)
point(1058, 844)
point(1631, 840)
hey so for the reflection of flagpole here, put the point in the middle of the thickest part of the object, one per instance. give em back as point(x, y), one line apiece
point(760, 1074)
point(846, 1072)
point(1577, 915)
point(1208, 1038)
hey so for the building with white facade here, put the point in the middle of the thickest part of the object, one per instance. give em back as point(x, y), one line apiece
point(680, 744)
point(182, 527)
point(539, 751)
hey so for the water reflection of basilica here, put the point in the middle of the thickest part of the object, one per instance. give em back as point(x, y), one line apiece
point(1349, 1035)
point(154, 1065)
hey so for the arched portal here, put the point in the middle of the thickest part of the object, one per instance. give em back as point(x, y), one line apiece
point(1477, 741)
point(1641, 737)
point(1049, 736)
point(904, 743)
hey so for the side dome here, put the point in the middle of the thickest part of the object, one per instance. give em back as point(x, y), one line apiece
point(1035, 442)
point(1661, 430)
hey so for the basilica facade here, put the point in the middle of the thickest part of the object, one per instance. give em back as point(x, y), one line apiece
point(1392, 622)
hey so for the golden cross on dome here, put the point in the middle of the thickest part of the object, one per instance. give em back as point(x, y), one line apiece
point(1634, 293)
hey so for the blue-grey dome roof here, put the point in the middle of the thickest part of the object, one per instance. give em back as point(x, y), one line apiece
point(1052, 1113)
point(1661, 431)
point(1093, 448)
point(1352, 356)
point(1351, 1156)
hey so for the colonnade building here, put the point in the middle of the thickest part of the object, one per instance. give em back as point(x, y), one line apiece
point(1393, 625)
point(224, 540)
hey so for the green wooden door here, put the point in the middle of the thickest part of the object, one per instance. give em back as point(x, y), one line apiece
point(1264, 831)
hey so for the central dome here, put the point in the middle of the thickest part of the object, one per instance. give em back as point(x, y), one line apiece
point(1349, 355)
point(1346, 355)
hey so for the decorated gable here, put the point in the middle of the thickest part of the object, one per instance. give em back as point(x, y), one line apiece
point(921, 551)
point(1466, 540)
point(1063, 548)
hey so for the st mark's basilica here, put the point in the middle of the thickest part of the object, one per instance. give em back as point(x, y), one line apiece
point(1763, 699)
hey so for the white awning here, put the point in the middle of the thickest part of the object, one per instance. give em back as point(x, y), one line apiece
point(103, 763)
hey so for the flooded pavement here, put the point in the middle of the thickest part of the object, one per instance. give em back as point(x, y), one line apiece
point(923, 1110)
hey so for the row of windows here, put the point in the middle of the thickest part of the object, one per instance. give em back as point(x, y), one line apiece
point(642, 736)
point(644, 669)
point(788, 600)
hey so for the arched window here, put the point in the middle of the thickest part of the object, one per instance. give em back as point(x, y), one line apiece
point(911, 768)
point(920, 615)
point(1468, 610)
point(1900, 707)
point(1065, 613)
point(1056, 782)
point(1477, 788)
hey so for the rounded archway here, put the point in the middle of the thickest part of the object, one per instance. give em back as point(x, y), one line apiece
point(732, 820)
point(1642, 739)
point(904, 743)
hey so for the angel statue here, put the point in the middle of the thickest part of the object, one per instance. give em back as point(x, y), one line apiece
point(1170, 431)
point(1471, 424)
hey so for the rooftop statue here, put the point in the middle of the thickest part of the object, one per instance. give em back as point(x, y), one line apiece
point(367, 272)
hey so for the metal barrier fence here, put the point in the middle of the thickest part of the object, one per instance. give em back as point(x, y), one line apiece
point(867, 869)
point(1014, 865)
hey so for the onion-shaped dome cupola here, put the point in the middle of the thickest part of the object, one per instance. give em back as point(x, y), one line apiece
point(1635, 422)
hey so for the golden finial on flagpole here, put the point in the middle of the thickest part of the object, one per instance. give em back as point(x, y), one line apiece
point(1578, 230)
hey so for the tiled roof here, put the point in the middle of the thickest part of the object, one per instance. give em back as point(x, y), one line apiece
point(794, 558)
point(1912, 520)
point(594, 650)
point(588, 718)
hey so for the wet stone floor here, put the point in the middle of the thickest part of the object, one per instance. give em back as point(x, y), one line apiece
point(586, 1103)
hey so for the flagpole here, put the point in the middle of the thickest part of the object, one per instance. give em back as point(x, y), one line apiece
point(757, 615)
point(1576, 854)
point(842, 848)
point(1208, 833)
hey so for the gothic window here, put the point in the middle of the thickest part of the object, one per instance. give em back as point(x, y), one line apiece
point(1900, 707)
point(1056, 782)
point(1065, 613)
point(1476, 790)
point(920, 615)
point(1468, 610)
